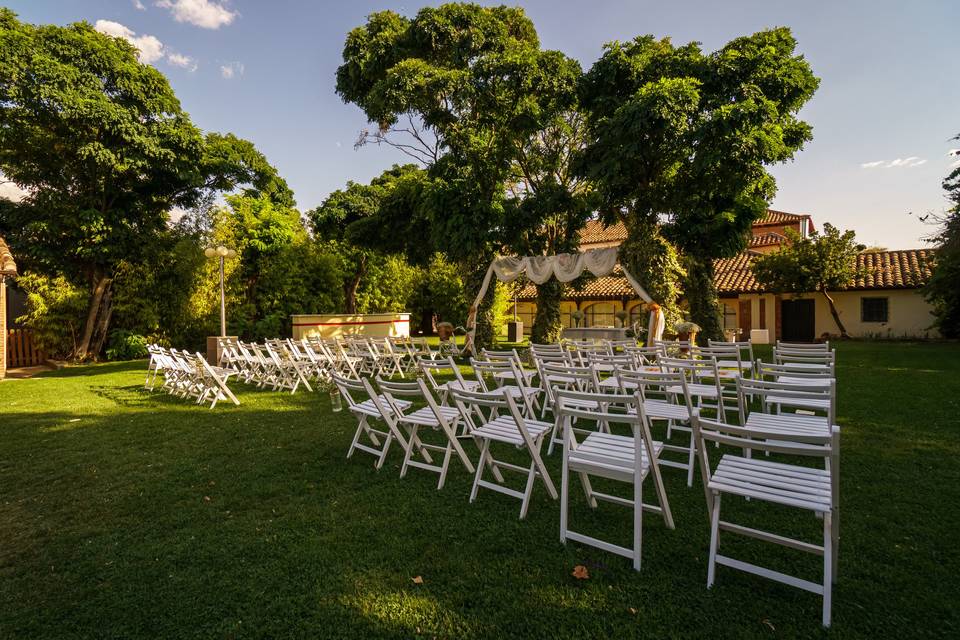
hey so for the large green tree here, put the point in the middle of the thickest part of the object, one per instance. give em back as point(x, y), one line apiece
point(943, 289)
point(104, 150)
point(821, 262)
point(547, 206)
point(681, 141)
point(460, 88)
point(341, 209)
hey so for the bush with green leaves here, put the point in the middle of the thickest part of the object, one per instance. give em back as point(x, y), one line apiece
point(55, 307)
point(126, 345)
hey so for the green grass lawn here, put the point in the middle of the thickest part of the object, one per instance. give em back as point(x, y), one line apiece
point(129, 514)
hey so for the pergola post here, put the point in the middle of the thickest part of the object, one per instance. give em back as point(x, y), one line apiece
point(8, 268)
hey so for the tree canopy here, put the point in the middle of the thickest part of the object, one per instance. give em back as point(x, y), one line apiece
point(680, 141)
point(105, 151)
point(822, 262)
point(943, 289)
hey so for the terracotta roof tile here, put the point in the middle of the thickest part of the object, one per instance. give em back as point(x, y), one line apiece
point(767, 239)
point(780, 217)
point(595, 232)
point(906, 269)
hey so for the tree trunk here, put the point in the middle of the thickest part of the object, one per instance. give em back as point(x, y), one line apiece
point(546, 325)
point(703, 300)
point(834, 313)
point(101, 285)
point(351, 285)
point(102, 329)
point(472, 283)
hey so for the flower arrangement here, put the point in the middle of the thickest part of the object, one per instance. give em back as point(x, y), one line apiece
point(577, 316)
point(686, 327)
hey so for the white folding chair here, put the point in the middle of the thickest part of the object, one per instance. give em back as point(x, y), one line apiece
point(663, 402)
point(627, 459)
point(513, 429)
point(806, 488)
point(435, 368)
point(703, 382)
point(494, 374)
point(433, 416)
point(378, 441)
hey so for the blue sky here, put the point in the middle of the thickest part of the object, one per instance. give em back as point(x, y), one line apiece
point(888, 99)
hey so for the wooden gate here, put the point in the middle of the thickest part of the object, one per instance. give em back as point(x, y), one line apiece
point(22, 351)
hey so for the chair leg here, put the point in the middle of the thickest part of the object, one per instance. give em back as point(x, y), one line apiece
point(828, 559)
point(528, 491)
point(564, 498)
point(484, 453)
point(446, 465)
point(690, 459)
point(408, 450)
point(637, 523)
point(714, 540)
point(383, 452)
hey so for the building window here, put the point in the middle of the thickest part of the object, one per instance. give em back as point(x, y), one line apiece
point(729, 317)
point(600, 314)
point(874, 309)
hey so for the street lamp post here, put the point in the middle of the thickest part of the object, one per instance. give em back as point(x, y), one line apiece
point(214, 344)
point(221, 252)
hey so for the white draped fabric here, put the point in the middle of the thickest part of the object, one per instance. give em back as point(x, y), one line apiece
point(565, 267)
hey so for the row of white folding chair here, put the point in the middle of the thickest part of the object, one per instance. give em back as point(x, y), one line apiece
point(189, 375)
point(268, 365)
point(478, 411)
point(512, 356)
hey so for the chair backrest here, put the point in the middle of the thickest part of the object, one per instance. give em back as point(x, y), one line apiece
point(393, 390)
point(348, 387)
point(656, 385)
point(782, 356)
point(484, 405)
point(610, 361)
point(439, 366)
point(486, 373)
point(811, 371)
point(805, 346)
point(693, 369)
point(502, 356)
point(744, 346)
point(555, 376)
point(786, 392)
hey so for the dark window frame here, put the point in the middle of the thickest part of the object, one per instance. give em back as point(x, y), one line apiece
point(875, 316)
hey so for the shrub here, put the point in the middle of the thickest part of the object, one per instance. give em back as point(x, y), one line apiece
point(126, 345)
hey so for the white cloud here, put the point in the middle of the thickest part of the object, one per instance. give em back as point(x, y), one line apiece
point(182, 61)
point(138, 5)
point(151, 49)
point(208, 14)
point(912, 161)
point(232, 70)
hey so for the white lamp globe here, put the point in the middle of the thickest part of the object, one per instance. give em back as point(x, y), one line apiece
point(222, 250)
point(209, 252)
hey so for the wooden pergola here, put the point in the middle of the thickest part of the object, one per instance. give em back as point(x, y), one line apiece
point(8, 268)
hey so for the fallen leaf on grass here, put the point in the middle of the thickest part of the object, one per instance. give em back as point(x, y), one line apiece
point(580, 572)
point(769, 624)
point(632, 611)
point(207, 498)
point(417, 580)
